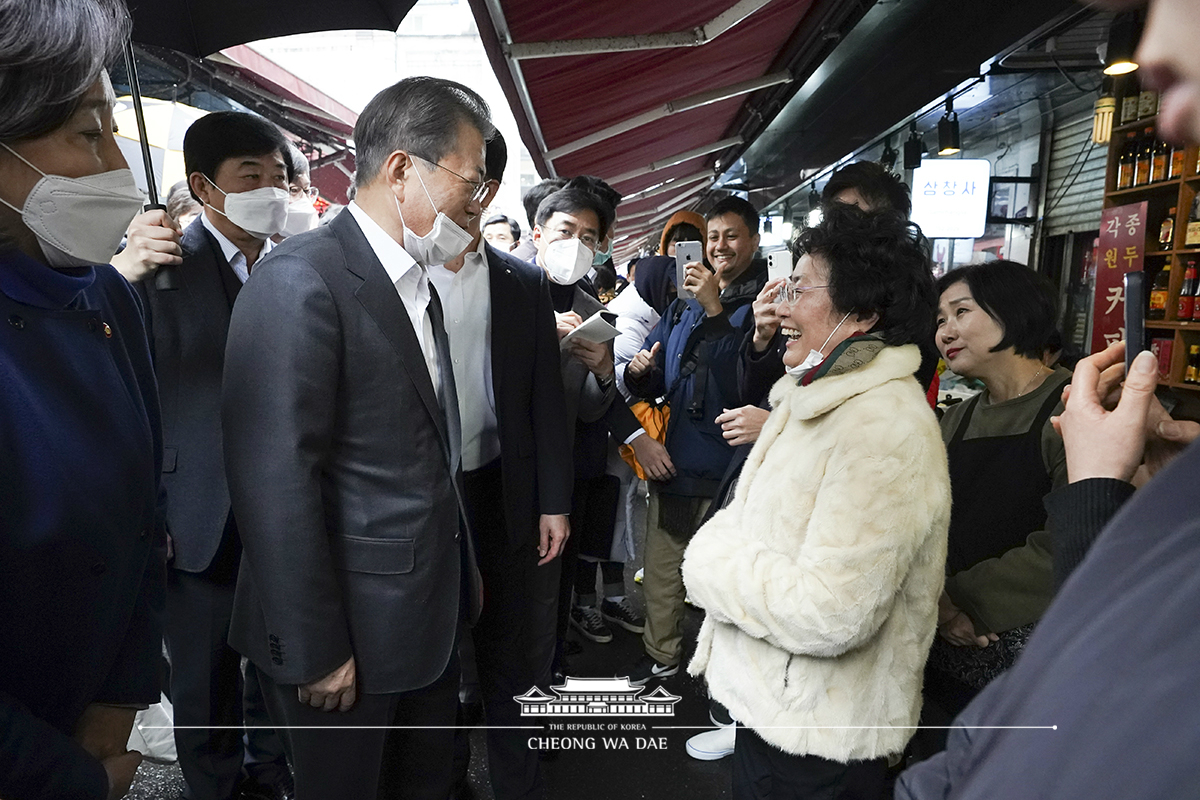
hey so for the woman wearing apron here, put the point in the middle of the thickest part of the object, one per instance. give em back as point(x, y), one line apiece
point(994, 323)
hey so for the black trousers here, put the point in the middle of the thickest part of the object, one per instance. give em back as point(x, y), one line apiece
point(763, 772)
point(387, 746)
point(501, 653)
point(207, 686)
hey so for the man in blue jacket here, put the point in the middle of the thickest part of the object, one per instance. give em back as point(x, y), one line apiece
point(691, 358)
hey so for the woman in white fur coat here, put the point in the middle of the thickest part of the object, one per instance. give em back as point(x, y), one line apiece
point(821, 578)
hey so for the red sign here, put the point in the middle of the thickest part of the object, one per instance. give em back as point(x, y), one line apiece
point(1122, 249)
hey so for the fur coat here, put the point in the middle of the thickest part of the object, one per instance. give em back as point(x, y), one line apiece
point(821, 578)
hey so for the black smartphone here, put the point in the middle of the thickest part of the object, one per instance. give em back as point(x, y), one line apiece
point(1135, 316)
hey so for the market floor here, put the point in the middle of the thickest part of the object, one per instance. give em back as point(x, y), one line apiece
point(623, 772)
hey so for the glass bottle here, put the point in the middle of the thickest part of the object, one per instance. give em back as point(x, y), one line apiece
point(1159, 161)
point(1141, 169)
point(1187, 295)
point(1160, 292)
point(1192, 375)
point(1125, 163)
point(1166, 231)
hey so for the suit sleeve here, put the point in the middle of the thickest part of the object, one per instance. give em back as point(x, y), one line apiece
point(39, 762)
point(552, 439)
point(837, 589)
point(279, 408)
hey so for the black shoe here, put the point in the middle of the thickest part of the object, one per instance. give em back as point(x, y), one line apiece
point(619, 613)
point(647, 669)
point(587, 620)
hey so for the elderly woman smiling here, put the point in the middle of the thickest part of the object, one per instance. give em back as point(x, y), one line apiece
point(821, 579)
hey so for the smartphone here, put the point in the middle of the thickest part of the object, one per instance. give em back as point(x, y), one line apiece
point(686, 253)
point(1135, 317)
point(779, 265)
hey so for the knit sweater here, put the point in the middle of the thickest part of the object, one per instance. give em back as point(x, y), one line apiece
point(820, 579)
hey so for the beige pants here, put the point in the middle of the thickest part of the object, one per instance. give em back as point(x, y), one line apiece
point(662, 586)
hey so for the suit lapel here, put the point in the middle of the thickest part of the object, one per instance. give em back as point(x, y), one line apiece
point(502, 288)
point(202, 284)
point(382, 302)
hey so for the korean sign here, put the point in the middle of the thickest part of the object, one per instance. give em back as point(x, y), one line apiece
point(950, 197)
point(1122, 249)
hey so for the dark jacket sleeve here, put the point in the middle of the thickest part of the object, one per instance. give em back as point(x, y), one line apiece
point(621, 421)
point(278, 414)
point(1077, 513)
point(552, 438)
point(651, 384)
point(758, 372)
point(39, 762)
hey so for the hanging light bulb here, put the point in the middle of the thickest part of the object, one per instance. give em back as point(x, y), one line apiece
point(1103, 112)
point(948, 140)
point(1123, 36)
point(914, 148)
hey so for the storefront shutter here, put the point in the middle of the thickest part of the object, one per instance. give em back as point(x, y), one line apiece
point(1076, 184)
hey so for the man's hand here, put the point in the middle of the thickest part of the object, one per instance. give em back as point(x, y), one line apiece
point(703, 283)
point(121, 770)
point(566, 323)
point(742, 425)
point(766, 315)
point(596, 356)
point(553, 530)
point(337, 690)
point(653, 457)
point(153, 242)
point(640, 364)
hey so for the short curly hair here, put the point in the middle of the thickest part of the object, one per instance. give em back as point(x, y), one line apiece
point(1021, 302)
point(878, 263)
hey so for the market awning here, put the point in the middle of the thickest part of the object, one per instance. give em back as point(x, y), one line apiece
point(650, 97)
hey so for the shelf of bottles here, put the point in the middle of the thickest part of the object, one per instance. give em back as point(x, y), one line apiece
point(1143, 167)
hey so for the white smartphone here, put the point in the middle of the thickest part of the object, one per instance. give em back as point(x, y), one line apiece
point(779, 265)
point(686, 253)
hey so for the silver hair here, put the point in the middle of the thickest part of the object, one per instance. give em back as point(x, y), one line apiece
point(418, 115)
point(51, 53)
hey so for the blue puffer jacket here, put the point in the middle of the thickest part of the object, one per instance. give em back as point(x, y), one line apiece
point(696, 370)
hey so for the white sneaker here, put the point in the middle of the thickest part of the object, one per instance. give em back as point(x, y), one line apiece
point(712, 745)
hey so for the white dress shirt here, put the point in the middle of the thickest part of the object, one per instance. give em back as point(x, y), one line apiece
point(235, 257)
point(411, 282)
point(466, 298)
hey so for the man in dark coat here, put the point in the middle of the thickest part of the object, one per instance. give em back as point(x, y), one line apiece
point(342, 445)
point(227, 155)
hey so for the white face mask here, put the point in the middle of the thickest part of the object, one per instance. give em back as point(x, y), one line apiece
point(302, 216)
point(79, 221)
point(814, 357)
point(567, 260)
point(445, 241)
point(259, 212)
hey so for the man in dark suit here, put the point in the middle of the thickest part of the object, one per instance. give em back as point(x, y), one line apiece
point(228, 155)
point(517, 469)
point(342, 445)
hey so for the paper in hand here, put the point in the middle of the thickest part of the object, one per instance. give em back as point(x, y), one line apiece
point(598, 328)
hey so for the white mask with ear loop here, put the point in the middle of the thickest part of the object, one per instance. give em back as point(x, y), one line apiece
point(567, 261)
point(301, 217)
point(79, 222)
point(814, 357)
point(445, 241)
point(261, 213)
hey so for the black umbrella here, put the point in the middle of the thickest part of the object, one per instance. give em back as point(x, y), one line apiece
point(203, 27)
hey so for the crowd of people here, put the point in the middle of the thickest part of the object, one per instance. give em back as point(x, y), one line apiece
point(361, 474)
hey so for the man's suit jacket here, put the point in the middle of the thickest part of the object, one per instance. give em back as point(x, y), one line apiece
point(187, 329)
point(535, 442)
point(344, 472)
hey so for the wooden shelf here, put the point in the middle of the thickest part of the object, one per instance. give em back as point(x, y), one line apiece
point(1146, 187)
point(1165, 325)
point(1148, 122)
point(1187, 251)
point(1195, 387)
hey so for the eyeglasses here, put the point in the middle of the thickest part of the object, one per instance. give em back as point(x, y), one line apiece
point(562, 233)
point(296, 192)
point(789, 293)
point(478, 188)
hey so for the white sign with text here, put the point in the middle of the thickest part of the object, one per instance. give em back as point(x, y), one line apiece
point(950, 197)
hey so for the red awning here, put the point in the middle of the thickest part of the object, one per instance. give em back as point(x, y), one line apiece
point(604, 81)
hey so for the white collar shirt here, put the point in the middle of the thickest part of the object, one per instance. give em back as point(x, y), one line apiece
point(467, 305)
point(235, 257)
point(411, 282)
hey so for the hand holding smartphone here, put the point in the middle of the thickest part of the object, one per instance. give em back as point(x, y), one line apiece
point(686, 253)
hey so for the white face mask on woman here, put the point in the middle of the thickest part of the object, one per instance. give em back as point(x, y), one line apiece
point(261, 213)
point(814, 357)
point(302, 216)
point(567, 260)
point(79, 221)
point(445, 241)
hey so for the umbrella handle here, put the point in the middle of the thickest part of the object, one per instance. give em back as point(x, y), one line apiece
point(164, 276)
